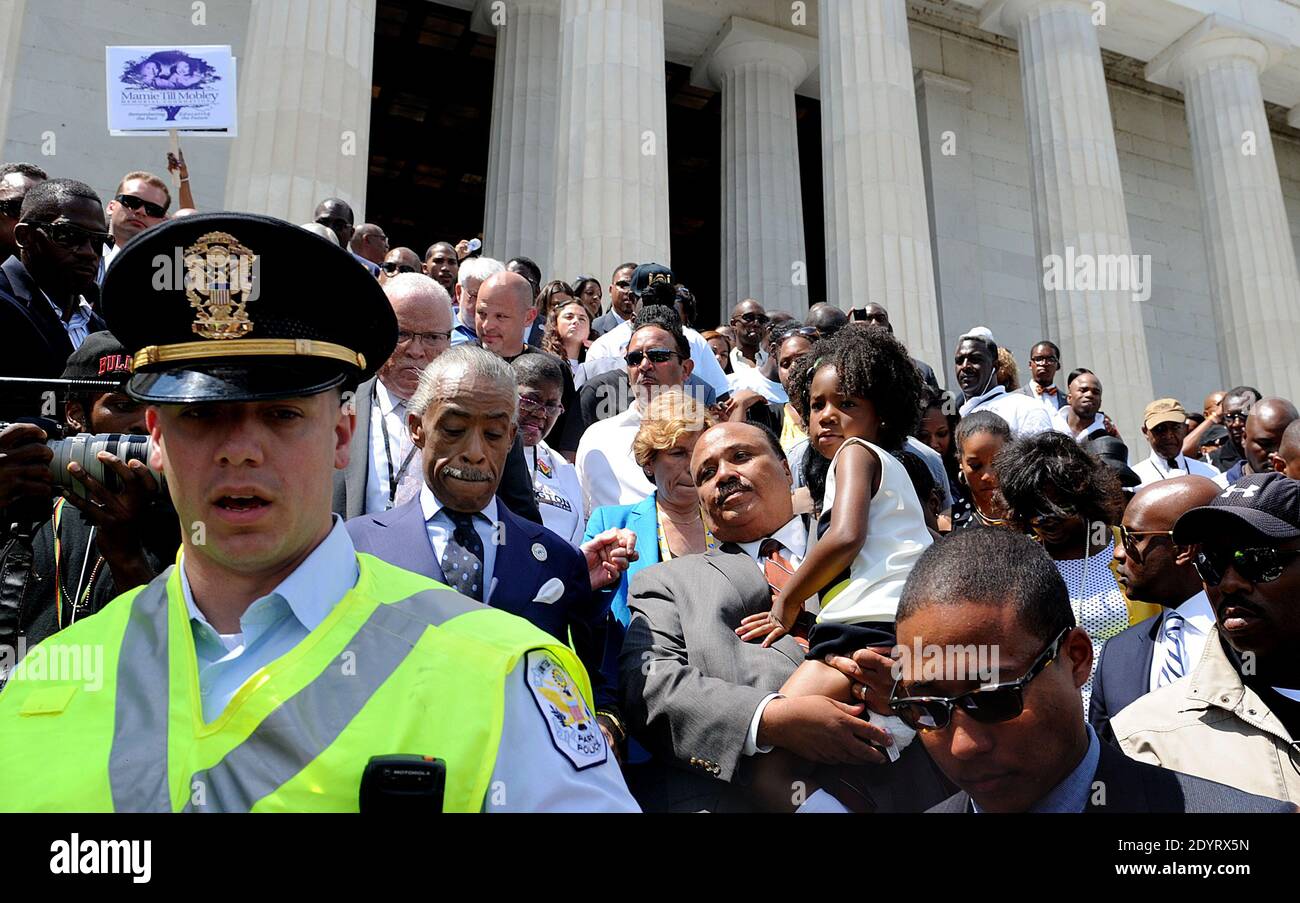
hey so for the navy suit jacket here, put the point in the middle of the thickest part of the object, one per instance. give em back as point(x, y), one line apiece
point(399, 537)
point(1123, 673)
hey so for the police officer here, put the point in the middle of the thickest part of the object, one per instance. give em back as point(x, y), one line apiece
point(268, 667)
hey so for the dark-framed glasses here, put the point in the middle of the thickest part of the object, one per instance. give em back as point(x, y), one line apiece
point(987, 705)
point(428, 338)
point(1236, 417)
point(392, 267)
point(752, 317)
point(533, 405)
point(1263, 564)
point(656, 356)
point(72, 236)
point(1129, 537)
point(131, 202)
point(1044, 361)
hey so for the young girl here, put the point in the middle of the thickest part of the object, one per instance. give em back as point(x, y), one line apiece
point(859, 393)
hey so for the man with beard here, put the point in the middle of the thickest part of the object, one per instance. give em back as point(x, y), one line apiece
point(1235, 716)
point(1261, 437)
point(442, 265)
point(976, 366)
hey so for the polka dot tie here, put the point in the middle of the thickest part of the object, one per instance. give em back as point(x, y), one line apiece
point(462, 562)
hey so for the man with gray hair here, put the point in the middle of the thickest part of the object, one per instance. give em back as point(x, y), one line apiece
point(472, 273)
point(462, 420)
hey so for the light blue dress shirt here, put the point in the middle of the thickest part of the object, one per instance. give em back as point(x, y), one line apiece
point(439, 528)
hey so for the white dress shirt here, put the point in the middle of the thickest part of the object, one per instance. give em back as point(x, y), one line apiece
point(752, 378)
point(607, 472)
point(1025, 416)
point(558, 493)
point(1198, 621)
point(1051, 401)
point(1155, 468)
point(793, 538)
point(439, 527)
point(739, 361)
point(392, 414)
point(530, 775)
point(1061, 423)
point(614, 344)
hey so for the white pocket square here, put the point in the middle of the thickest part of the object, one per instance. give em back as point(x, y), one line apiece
point(551, 592)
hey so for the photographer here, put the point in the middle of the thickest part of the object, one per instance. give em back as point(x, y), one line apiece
point(66, 560)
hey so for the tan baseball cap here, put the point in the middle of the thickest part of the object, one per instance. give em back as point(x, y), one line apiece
point(1163, 410)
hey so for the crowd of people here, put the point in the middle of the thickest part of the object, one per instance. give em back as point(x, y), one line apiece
point(716, 559)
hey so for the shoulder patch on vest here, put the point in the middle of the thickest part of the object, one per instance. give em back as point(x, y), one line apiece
point(573, 727)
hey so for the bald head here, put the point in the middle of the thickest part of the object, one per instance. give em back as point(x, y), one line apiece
point(1268, 420)
point(1212, 402)
point(750, 322)
point(1150, 566)
point(828, 318)
point(503, 313)
point(1287, 459)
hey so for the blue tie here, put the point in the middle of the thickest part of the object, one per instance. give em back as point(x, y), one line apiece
point(1175, 665)
point(462, 562)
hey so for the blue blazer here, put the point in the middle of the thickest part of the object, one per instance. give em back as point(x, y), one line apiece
point(640, 519)
point(399, 537)
point(1123, 673)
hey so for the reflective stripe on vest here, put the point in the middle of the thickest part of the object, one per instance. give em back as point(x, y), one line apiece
point(287, 740)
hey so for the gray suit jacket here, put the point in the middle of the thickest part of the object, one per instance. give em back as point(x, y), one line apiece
point(690, 687)
point(350, 483)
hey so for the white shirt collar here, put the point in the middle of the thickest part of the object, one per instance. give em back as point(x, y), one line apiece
point(973, 403)
point(1162, 465)
point(1198, 613)
point(314, 587)
point(794, 536)
point(430, 506)
point(388, 402)
point(739, 360)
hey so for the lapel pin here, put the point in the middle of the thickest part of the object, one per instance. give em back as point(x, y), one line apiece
point(539, 551)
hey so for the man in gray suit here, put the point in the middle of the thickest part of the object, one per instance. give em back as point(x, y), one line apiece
point(707, 705)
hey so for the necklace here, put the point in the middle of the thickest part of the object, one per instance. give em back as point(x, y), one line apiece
point(665, 553)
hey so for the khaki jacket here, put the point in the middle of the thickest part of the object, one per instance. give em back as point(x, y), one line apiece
point(1211, 725)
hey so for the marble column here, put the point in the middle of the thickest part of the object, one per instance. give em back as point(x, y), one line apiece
point(1254, 282)
point(877, 227)
point(1078, 203)
point(305, 85)
point(757, 68)
point(520, 209)
point(11, 32)
point(611, 155)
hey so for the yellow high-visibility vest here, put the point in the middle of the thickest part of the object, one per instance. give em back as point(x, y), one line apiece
point(400, 665)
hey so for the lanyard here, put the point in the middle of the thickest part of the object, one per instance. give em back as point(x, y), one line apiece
point(393, 477)
point(61, 594)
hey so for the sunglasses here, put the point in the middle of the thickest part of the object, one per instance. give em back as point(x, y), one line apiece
point(624, 284)
point(131, 202)
point(751, 318)
point(536, 406)
point(1235, 417)
point(1126, 536)
point(1259, 565)
point(70, 236)
point(656, 355)
point(987, 705)
point(390, 268)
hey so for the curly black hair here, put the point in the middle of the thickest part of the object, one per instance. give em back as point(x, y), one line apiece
point(1079, 482)
point(871, 364)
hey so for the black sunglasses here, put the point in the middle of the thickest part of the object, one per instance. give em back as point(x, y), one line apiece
point(1258, 565)
point(987, 705)
point(131, 202)
point(1127, 536)
point(390, 267)
point(752, 318)
point(656, 355)
point(70, 236)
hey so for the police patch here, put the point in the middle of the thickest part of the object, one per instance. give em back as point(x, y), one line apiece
point(573, 727)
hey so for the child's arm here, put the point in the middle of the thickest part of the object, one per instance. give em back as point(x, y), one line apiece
point(857, 473)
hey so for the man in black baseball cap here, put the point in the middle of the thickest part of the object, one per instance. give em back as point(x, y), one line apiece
point(1235, 716)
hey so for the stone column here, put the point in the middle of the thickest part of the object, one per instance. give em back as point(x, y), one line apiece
point(611, 155)
point(877, 228)
point(304, 108)
point(11, 32)
point(757, 68)
point(1079, 216)
point(520, 210)
point(1254, 282)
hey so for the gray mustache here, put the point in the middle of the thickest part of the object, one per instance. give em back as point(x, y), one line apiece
point(469, 475)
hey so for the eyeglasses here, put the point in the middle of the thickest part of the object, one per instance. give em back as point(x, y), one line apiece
point(1259, 565)
point(71, 236)
point(1126, 536)
point(531, 405)
point(1235, 417)
point(656, 355)
point(1051, 359)
point(624, 284)
point(751, 318)
point(390, 267)
point(987, 705)
point(429, 339)
point(131, 202)
point(11, 207)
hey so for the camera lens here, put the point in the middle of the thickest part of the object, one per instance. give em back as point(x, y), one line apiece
point(84, 449)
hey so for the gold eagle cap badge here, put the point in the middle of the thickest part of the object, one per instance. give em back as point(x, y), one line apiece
point(219, 282)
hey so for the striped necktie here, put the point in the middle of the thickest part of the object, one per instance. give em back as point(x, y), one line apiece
point(1175, 665)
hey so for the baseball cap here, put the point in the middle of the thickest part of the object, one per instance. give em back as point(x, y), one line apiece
point(1163, 410)
point(647, 274)
point(101, 356)
point(1265, 505)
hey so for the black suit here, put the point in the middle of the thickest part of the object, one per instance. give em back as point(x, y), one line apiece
point(36, 342)
point(1123, 673)
point(1132, 786)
